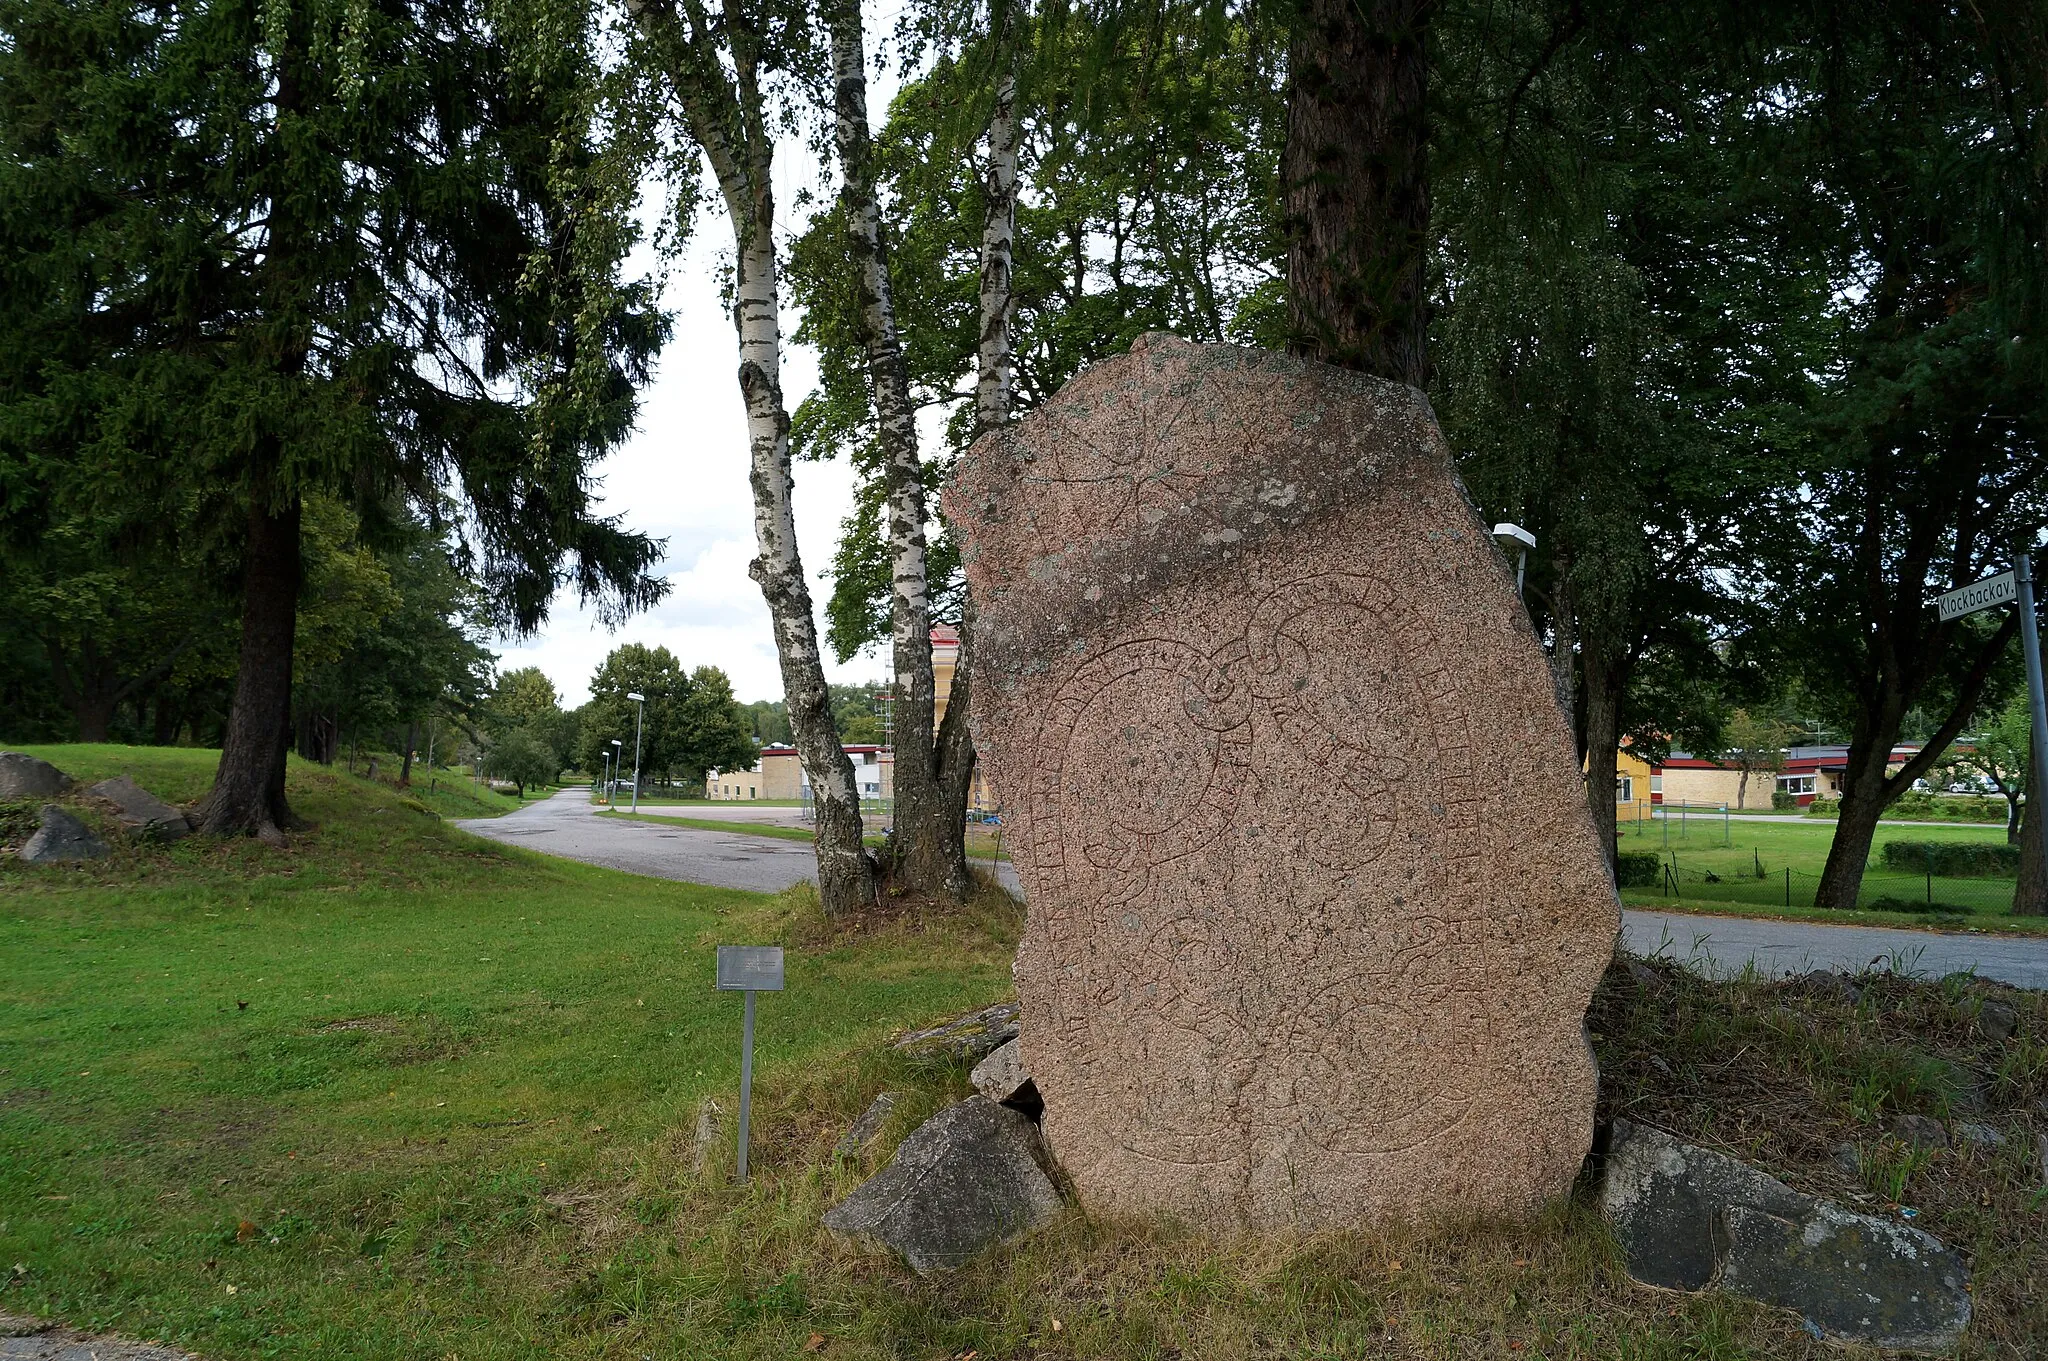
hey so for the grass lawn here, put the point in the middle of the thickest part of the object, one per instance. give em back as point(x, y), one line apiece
point(396, 1092)
point(1743, 869)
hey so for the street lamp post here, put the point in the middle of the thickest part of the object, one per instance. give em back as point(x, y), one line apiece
point(1522, 540)
point(618, 759)
point(638, 714)
point(604, 788)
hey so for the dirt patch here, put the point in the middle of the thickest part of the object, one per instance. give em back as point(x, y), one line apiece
point(365, 1025)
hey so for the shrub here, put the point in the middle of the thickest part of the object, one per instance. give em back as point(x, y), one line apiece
point(1824, 808)
point(1638, 869)
point(1954, 859)
point(1781, 802)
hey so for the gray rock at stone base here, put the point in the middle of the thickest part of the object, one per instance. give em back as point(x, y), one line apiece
point(971, 1037)
point(1851, 1276)
point(1686, 1218)
point(1919, 1131)
point(29, 777)
point(141, 809)
point(862, 1132)
point(1996, 1021)
point(61, 837)
point(1849, 1158)
point(964, 1181)
point(27, 1339)
point(1980, 1134)
point(1002, 1078)
point(1665, 1200)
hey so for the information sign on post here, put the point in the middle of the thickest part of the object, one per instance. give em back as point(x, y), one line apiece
point(748, 969)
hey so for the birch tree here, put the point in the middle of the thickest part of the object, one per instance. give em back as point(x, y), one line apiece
point(717, 63)
point(921, 829)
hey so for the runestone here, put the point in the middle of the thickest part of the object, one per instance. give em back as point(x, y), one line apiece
point(1315, 905)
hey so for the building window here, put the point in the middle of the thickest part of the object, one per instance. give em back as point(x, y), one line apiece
point(1624, 789)
point(1795, 784)
point(750, 791)
point(1656, 784)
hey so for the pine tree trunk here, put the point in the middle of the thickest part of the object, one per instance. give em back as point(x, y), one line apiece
point(1605, 680)
point(1353, 172)
point(248, 788)
point(2030, 895)
point(921, 825)
point(1866, 793)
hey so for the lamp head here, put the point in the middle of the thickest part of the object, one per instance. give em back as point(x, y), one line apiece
point(633, 695)
point(1513, 538)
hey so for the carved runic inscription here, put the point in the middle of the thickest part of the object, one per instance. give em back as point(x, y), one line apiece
point(1315, 908)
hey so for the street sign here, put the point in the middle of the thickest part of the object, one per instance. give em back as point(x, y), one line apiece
point(2002, 589)
point(750, 968)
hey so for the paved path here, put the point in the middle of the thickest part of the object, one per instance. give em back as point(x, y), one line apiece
point(1723, 945)
point(567, 825)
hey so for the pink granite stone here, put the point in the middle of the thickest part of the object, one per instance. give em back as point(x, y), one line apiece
point(1315, 903)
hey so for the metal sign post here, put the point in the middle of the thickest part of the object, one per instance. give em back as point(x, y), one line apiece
point(748, 969)
point(2030, 644)
point(2015, 586)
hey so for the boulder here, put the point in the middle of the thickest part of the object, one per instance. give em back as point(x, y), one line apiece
point(863, 1131)
point(1002, 1078)
point(62, 837)
point(1829, 984)
point(1686, 1218)
point(27, 777)
point(964, 1181)
point(142, 810)
point(971, 1037)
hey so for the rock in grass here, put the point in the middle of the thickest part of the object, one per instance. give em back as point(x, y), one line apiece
point(971, 1037)
point(1919, 1131)
point(964, 1181)
point(1002, 1078)
point(29, 777)
point(31, 1339)
point(1686, 1218)
point(61, 837)
point(1980, 1134)
point(1996, 1021)
point(863, 1131)
point(142, 810)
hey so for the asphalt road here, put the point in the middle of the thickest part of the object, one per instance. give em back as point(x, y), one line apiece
point(567, 825)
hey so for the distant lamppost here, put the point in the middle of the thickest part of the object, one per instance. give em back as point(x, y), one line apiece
point(638, 715)
point(618, 759)
point(604, 782)
point(1514, 539)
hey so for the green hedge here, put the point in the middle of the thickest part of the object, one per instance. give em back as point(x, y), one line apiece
point(1954, 859)
point(1638, 869)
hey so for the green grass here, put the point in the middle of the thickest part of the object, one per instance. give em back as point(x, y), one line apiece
point(455, 1119)
point(1698, 850)
point(442, 1039)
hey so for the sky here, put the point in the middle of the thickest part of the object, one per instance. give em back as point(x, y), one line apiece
point(682, 476)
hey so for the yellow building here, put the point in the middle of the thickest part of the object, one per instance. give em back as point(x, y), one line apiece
point(779, 774)
point(945, 661)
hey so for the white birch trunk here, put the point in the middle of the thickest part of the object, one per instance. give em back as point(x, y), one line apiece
point(922, 830)
point(992, 385)
point(728, 120)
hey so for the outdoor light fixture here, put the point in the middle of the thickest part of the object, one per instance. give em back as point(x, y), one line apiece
point(638, 714)
point(1512, 538)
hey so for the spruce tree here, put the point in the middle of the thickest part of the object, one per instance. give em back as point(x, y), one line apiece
point(262, 250)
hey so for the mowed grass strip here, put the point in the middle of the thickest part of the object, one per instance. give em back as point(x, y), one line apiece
point(457, 1118)
point(345, 1078)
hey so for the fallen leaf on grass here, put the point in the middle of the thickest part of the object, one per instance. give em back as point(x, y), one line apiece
point(815, 1342)
point(244, 1231)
